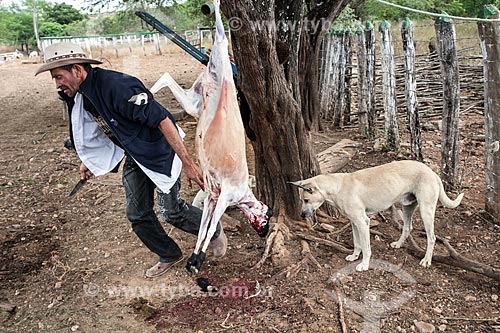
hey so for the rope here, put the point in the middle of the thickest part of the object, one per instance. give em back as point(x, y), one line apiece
point(471, 19)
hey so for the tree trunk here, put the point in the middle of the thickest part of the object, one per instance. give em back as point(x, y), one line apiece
point(370, 77)
point(489, 33)
point(362, 82)
point(446, 38)
point(411, 90)
point(308, 78)
point(282, 149)
point(389, 86)
point(346, 106)
point(332, 98)
point(314, 26)
point(289, 15)
point(326, 74)
point(339, 99)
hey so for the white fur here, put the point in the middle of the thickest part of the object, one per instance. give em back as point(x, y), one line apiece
point(372, 190)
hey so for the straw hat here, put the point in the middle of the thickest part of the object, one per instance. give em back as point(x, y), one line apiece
point(62, 54)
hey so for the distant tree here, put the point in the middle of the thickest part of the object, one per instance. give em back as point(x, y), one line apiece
point(8, 36)
point(373, 10)
point(118, 23)
point(47, 29)
point(63, 14)
point(22, 28)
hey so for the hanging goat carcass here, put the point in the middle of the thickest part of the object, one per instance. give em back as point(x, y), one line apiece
point(220, 144)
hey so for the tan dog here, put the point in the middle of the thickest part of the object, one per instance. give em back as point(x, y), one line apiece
point(372, 190)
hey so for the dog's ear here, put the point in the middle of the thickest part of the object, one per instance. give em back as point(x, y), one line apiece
point(303, 185)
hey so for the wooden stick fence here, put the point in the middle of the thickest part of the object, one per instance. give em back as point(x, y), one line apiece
point(416, 86)
point(490, 34)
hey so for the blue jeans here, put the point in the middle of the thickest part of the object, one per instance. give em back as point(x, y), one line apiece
point(139, 192)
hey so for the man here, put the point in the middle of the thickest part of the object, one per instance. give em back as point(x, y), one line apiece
point(112, 116)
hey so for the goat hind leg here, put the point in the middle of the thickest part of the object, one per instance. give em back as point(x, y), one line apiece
point(194, 262)
point(219, 210)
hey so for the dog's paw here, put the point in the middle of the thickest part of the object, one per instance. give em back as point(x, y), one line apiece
point(425, 262)
point(352, 257)
point(362, 267)
point(396, 245)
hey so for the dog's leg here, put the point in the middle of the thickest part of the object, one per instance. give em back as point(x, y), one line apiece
point(427, 214)
point(407, 224)
point(357, 247)
point(364, 241)
point(361, 236)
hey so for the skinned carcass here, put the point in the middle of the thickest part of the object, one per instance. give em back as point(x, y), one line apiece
point(220, 144)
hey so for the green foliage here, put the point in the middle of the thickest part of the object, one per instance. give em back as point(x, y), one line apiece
point(346, 21)
point(16, 24)
point(117, 23)
point(372, 10)
point(15, 27)
point(63, 14)
point(47, 29)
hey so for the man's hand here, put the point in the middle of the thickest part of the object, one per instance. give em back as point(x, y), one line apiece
point(192, 172)
point(85, 172)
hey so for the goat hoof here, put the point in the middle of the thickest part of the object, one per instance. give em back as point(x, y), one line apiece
point(265, 229)
point(194, 263)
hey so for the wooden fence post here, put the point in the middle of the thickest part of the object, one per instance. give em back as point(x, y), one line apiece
point(332, 79)
point(143, 45)
point(411, 89)
point(325, 74)
point(489, 34)
point(116, 47)
point(129, 42)
point(389, 86)
point(346, 105)
point(362, 82)
point(446, 40)
point(370, 77)
point(340, 98)
point(157, 44)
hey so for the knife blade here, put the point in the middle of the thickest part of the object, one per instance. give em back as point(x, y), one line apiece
point(77, 187)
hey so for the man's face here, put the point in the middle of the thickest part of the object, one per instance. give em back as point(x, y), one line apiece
point(69, 82)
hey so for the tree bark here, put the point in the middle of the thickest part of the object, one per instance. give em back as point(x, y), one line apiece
point(411, 90)
point(332, 98)
point(370, 77)
point(346, 106)
point(281, 124)
point(282, 150)
point(489, 34)
point(288, 15)
point(446, 37)
point(316, 23)
point(389, 86)
point(362, 82)
point(339, 99)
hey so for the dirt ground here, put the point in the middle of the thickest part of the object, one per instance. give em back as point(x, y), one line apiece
point(74, 264)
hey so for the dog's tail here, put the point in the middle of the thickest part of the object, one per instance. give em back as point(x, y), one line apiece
point(443, 198)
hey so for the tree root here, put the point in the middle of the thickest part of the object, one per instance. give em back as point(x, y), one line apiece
point(453, 259)
point(456, 259)
point(341, 308)
point(336, 245)
point(293, 270)
point(275, 243)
